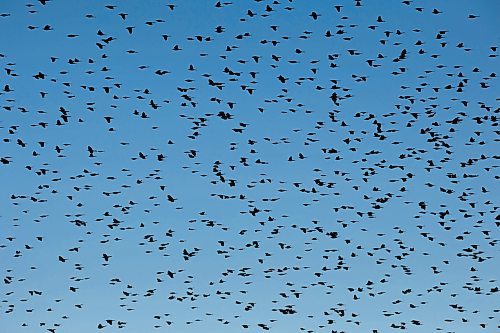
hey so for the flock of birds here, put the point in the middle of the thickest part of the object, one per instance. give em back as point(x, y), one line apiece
point(248, 166)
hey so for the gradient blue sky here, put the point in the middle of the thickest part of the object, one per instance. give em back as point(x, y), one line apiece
point(436, 109)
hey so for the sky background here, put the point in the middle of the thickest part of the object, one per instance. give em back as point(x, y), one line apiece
point(391, 188)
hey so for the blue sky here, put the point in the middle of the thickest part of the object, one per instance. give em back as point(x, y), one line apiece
point(380, 203)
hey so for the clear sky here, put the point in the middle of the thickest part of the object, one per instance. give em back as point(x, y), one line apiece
point(248, 166)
